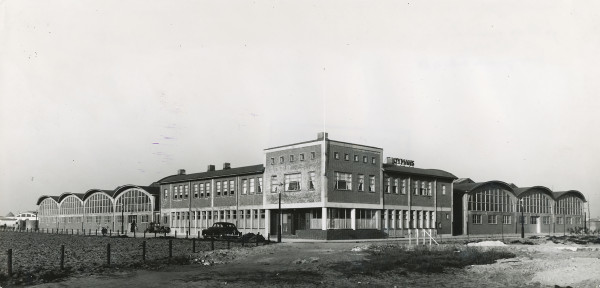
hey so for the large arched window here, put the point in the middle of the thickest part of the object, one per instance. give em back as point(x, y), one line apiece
point(134, 200)
point(494, 200)
point(569, 205)
point(71, 205)
point(48, 211)
point(98, 203)
point(536, 202)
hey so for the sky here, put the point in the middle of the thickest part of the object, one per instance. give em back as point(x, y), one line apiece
point(98, 94)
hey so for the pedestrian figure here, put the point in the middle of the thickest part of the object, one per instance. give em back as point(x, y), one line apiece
point(133, 226)
point(104, 231)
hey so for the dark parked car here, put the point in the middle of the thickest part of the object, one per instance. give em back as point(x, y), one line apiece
point(221, 230)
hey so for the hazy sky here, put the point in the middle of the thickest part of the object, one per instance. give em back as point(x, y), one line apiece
point(504, 90)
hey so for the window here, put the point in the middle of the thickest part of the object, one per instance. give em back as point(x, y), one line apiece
point(180, 191)
point(292, 182)
point(301, 156)
point(195, 190)
point(447, 216)
point(311, 180)
point(291, 158)
point(274, 184)
point(386, 188)
point(313, 155)
point(336, 155)
point(476, 219)
point(166, 193)
point(208, 189)
point(403, 186)
point(218, 188)
point(534, 219)
point(244, 186)
point(259, 188)
point(443, 189)
point(416, 187)
point(231, 187)
point(365, 159)
point(506, 219)
point(423, 189)
point(371, 183)
point(546, 219)
point(361, 182)
point(281, 159)
point(186, 187)
point(346, 157)
point(272, 161)
point(559, 220)
point(252, 186)
point(225, 189)
point(355, 158)
point(174, 192)
point(373, 160)
point(395, 187)
point(492, 219)
point(343, 181)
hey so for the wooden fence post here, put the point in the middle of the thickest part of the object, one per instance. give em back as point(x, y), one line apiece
point(144, 251)
point(108, 254)
point(62, 257)
point(170, 248)
point(9, 263)
point(212, 244)
point(193, 245)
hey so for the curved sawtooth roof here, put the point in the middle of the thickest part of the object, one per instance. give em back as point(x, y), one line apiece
point(469, 187)
point(43, 197)
point(560, 194)
point(523, 190)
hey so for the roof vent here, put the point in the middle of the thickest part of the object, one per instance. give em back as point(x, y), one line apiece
point(181, 172)
point(322, 135)
point(226, 166)
point(210, 168)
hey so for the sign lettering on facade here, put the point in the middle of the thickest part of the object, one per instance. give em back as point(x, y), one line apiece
point(403, 162)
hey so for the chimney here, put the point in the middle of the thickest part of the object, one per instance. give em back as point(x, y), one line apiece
point(226, 166)
point(322, 135)
point(210, 168)
point(390, 160)
point(181, 172)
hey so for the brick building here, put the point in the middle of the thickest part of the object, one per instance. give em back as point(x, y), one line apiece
point(327, 189)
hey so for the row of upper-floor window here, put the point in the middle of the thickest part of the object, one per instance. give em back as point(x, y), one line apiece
point(418, 187)
point(355, 157)
point(292, 157)
point(253, 185)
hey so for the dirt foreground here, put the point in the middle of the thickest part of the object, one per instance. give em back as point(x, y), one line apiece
point(327, 264)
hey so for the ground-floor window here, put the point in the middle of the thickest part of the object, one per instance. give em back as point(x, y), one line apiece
point(559, 220)
point(492, 219)
point(366, 219)
point(546, 219)
point(476, 219)
point(339, 218)
point(534, 219)
point(506, 219)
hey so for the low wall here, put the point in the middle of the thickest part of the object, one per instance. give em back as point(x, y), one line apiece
point(340, 234)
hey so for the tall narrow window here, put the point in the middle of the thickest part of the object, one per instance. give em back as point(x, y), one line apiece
point(272, 161)
point(166, 193)
point(443, 189)
point(355, 158)
point(301, 156)
point(311, 180)
point(195, 190)
point(343, 181)
point(403, 186)
point(175, 192)
point(208, 189)
point(361, 182)
point(281, 159)
point(225, 188)
point(252, 186)
point(346, 157)
point(260, 185)
point(231, 187)
point(395, 187)
point(365, 159)
point(244, 186)
point(371, 183)
point(218, 188)
point(274, 184)
point(313, 155)
point(386, 188)
point(291, 158)
point(292, 182)
point(336, 155)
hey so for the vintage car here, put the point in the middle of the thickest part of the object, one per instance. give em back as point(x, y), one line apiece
point(221, 230)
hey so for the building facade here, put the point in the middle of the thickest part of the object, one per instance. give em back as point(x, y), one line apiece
point(320, 189)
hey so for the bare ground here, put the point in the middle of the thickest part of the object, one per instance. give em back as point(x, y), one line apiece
point(340, 264)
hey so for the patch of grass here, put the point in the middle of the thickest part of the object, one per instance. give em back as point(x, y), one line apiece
point(421, 259)
point(525, 242)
